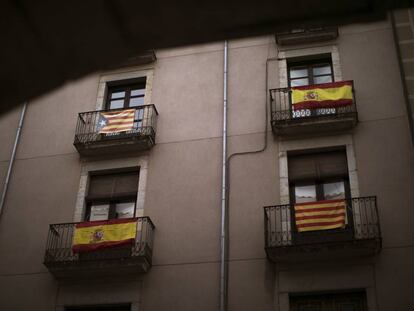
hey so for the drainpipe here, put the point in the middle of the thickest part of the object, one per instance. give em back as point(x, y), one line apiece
point(9, 170)
point(225, 198)
point(223, 231)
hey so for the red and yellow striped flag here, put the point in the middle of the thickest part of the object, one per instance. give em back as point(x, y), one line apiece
point(116, 121)
point(320, 215)
point(94, 235)
point(327, 95)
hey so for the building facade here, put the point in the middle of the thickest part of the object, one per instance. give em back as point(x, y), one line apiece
point(74, 165)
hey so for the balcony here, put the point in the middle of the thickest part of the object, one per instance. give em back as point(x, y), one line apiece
point(89, 139)
point(360, 237)
point(321, 117)
point(63, 263)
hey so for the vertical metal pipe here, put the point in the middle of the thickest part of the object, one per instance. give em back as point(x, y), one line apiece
point(9, 170)
point(223, 231)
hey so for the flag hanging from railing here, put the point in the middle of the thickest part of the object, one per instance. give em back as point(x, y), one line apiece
point(327, 95)
point(94, 235)
point(115, 121)
point(320, 215)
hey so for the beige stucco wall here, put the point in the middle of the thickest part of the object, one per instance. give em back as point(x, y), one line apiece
point(182, 193)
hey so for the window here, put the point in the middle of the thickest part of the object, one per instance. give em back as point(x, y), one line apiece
point(329, 302)
point(304, 72)
point(308, 72)
point(318, 176)
point(126, 94)
point(112, 196)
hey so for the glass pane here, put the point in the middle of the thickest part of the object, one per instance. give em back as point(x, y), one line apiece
point(334, 190)
point(298, 73)
point(115, 104)
point(299, 82)
point(323, 70)
point(137, 92)
point(137, 101)
point(117, 95)
point(305, 194)
point(99, 212)
point(322, 79)
point(125, 210)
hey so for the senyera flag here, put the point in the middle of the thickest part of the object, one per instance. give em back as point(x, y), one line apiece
point(116, 121)
point(327, 95)
point(320, 215)
point(94, 235)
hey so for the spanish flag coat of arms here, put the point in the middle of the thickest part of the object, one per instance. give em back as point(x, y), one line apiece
point(95, 235)
point(327, 95)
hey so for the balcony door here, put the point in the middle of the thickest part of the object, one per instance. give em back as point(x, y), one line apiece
point(127, 94)
point(112, 195)
point(309, 72)
point(315, 176)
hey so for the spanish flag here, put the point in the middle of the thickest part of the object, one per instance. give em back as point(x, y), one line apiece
point(327, 95)
point(320, 215)
point(94, 235)
point(116, 121)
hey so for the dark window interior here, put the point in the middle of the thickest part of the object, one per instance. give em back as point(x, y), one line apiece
point(112, 195)
point(315, 70)
point(329, 302)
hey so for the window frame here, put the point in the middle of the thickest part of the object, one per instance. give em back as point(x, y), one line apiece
point(111, 199)
point(125, 86)
point(321, 236)
point(309, 64)
point(320, 195)
point(112, 205)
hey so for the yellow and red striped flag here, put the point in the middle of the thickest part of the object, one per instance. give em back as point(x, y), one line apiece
point(116, 121)
point(94, 235)
point(327, 95)
point(320, 215)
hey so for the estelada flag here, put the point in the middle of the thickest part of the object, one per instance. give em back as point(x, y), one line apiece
point(320, 215)
point(94, 235)
point(327, 95)
point(116, 121)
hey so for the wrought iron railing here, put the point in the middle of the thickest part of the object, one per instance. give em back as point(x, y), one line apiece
point(60, 237)
point(87, 127)
point(282, 111)
point(363, 223)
